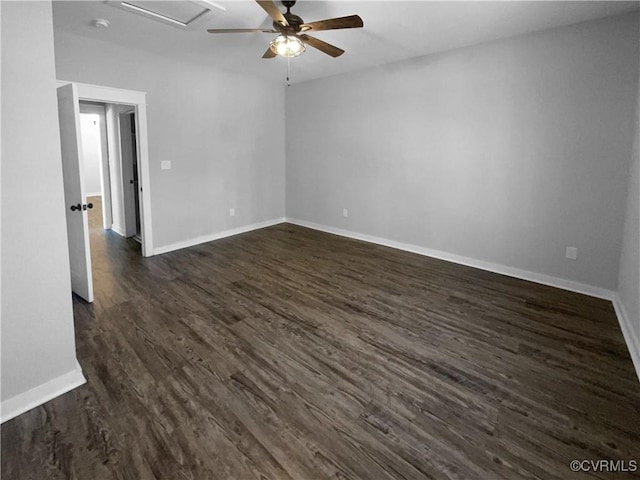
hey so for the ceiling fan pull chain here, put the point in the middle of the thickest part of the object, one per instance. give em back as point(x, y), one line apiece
point(288, 72)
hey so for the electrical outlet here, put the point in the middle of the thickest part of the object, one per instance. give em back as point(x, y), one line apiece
point(345, 212)
point(165, 164)
point(572, 253)
point(232, 212)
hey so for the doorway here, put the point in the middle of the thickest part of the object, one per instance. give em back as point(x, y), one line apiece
point(97, 173)
point(111, 167)
point(130, 174)
point(108, 127)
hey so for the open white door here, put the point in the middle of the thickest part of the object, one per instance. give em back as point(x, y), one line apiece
point(74, 194)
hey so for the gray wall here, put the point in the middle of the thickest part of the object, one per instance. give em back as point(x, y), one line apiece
point(629, 280)
point(506, 152)
point(223, 133)
point(37, 321)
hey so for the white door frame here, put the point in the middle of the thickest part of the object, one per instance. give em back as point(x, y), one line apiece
point(96, 93)
point(126, 164)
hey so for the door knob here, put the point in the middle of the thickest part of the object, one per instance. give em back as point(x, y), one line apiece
point(81, 207)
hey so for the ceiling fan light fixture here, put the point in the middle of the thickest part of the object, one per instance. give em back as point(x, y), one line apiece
point(288, 46)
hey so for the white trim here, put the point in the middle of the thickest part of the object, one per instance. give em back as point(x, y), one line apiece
point(633, 344)
point(99, 93)
point(144, 177)
point(469, 262)
point(217, 236)
point(138, 99)
point(14, 406)
point(118, 230)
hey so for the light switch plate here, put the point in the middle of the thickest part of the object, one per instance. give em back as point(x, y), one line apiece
point(165, 165)
point(572, 253)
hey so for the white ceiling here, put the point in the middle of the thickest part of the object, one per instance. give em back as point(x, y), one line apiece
point(393, 30)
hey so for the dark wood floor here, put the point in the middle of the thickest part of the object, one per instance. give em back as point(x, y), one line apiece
point(287, 353)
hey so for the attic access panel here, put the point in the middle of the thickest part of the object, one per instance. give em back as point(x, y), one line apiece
point(177, 13)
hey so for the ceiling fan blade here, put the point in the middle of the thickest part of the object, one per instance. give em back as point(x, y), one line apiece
point(269, 53)
point(322, 46)
point(240, 30)
point(273, 11)
point(352, 21)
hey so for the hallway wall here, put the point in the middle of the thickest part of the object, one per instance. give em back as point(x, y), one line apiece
point(223, 134)
point(38, 343)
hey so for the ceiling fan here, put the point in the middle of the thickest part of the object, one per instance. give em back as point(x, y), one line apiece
point(292, 30)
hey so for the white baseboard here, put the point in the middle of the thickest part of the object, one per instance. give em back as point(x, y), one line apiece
point(469, 262)
point(216, 236)
point(118, 230)
point(96, 194)
point(564, 284)
point(14, 406)
point(633, 344)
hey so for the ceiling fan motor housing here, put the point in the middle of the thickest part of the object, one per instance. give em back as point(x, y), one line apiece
point(293, 20)
point(294, 24)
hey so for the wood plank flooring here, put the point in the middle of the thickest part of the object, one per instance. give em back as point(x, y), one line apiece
point(287, 353)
